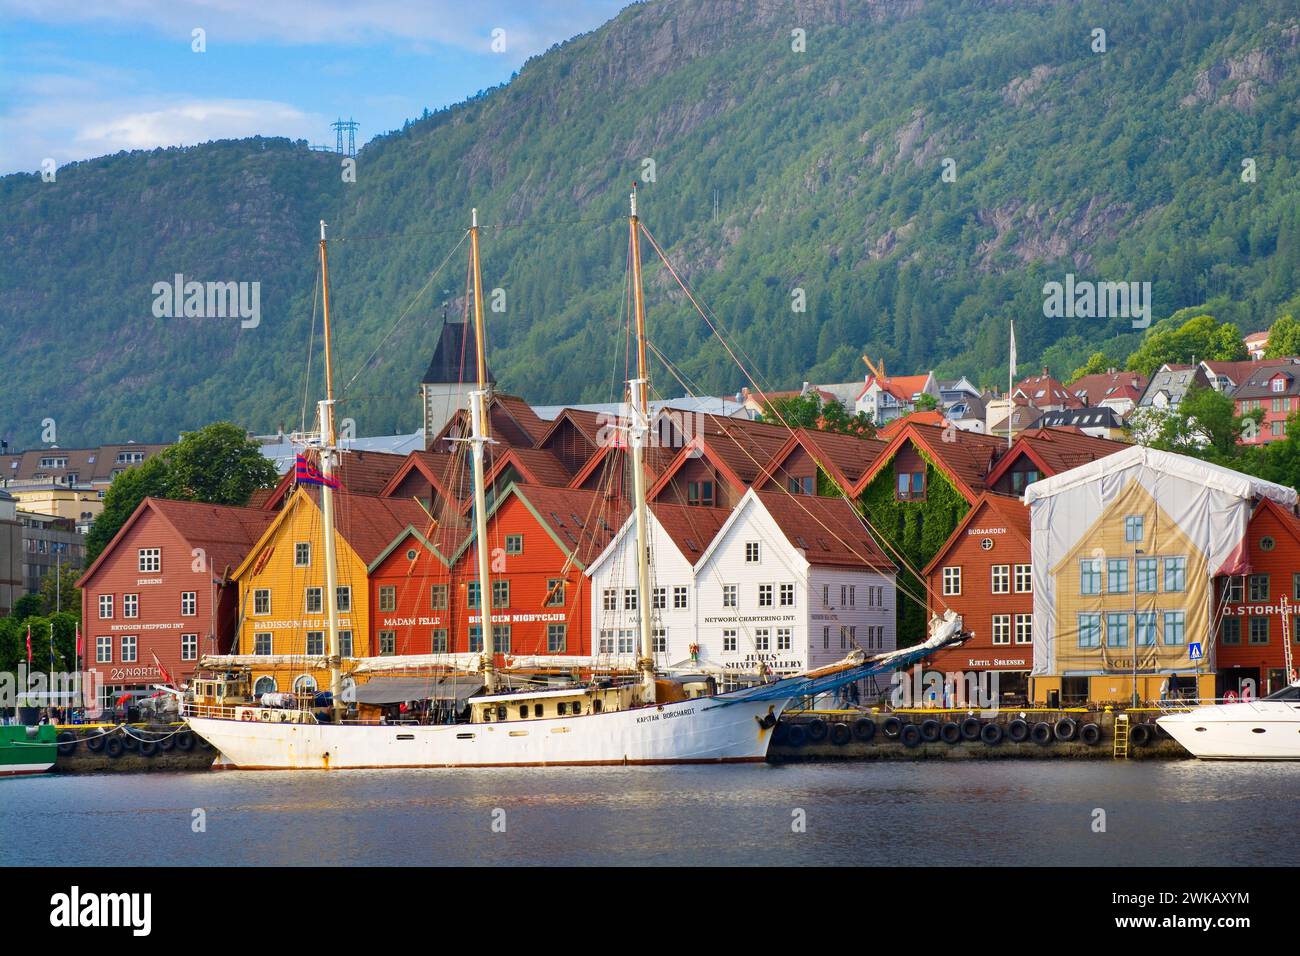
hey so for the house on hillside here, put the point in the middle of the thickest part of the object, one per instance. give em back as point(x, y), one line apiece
point(885, 398)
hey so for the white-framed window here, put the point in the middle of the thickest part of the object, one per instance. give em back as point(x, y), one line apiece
point(952, 580)
point(1090, 576)
point(728, 640)
point(610, 599)
point(753, 553)
point(302, 554)
point(630, 602)
point(315, 643)
point(1133, 528)
point(130, 605)
point(501, 638)
point(1024, 629)
point(514, 544)
point(262, 642)
point(627, 641)
point(264, 685)
point(557, 638)
point(103, 650)
point(345, 643)
point(150, 560)
point(826, 637)
point(1001, 579)
point(765, 595)
point(762, 639)
point(826, 595)
point(1175, 574)
point(844, 637)
point(679, 598)
point(729, 595)
point(189, 603)
point(1090, 630)
point(658, 598)
point(853, 594)
point(500, 594)
point(659, 640)
point(787, 595)
point(343, 597)
point(189, 647)
point(1024, 578)
point(130, 648)
point(261, 601)
point(784, 638)
point(1001, 629)
point(105, 607)
point(313, 601)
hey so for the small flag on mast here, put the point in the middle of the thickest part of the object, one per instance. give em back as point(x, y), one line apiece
point(306, 473)
point(1013, 348)
point(29, 644)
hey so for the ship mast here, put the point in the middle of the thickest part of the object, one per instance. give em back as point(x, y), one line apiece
point(637, 434)
point(479, 438)
point(326, 411)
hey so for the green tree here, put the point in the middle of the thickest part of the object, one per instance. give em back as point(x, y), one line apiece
point(926, 403)
point(1205, 424)
point(1198, 338)
point(218, 464)
point(1283, 338)
point(59, 591)
point(1097, 363)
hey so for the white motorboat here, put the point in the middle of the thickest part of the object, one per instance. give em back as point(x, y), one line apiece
point(1265, 729)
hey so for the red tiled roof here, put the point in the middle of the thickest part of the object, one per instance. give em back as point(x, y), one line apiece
point(902, 387)
point(226, 533)
point(930, 417)
point(585, 521)
point(690, 529)
point(1095, 389)
point(827, 530)
point(537, 466)
point(1056, 450)
point(966, 456)
point(369, 523)
point(359, 473)
point(1043, 390)
point(848, 455)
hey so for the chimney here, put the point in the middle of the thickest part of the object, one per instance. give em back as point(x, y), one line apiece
point(1044, 371)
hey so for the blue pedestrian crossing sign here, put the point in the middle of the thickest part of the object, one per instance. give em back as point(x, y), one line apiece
point(1194, 651)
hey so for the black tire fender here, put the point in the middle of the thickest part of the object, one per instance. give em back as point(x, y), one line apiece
point(864, 728)
point(970, 728)
point(991, 734)
point(1018, 731)
point(1140, 735)
point(1041, 733)
point(841, 734)
point(148, 748)
point(950, 732)
point(67, 743)
point(910, 735)
point(795, 735)
point(185, 741)
point(113, 747)
point(893, 726)
point(95, 743)
point(1090, 734)
point(1065, 729)
point(817, 730)
point(929, 730)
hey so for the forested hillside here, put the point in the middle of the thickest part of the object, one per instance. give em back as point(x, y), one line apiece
point(826, 166)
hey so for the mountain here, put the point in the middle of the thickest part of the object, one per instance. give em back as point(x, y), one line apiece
point(774, 170)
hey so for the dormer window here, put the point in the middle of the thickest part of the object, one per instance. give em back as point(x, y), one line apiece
point(1279, 384)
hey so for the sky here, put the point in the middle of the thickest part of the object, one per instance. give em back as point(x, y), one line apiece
point(91, 77)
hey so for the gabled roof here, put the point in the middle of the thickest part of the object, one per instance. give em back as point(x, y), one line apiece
point(1055, 450)
point(366, 522)
point(536, 466)
point(441, 469)
point(89, 464)
point(586, 423)
point(1174, 380)
point(225, 533)
point(1091, 416)
point(1108, 386)
point(1040, 390)
point(843, 457)
point(1181, 466)
point(581, 523)
point(928, 417)
point(966, 459)
point(1009, 511)
point(358, 472)
point(1260, 383)
point(1238, 372)
point(905, 388)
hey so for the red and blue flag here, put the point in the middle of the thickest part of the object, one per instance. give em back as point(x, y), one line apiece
point(306, 473)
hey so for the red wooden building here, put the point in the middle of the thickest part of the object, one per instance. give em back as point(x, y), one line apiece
point(425, 589)
point(1251, 607)
point(983, 573)
point(160, 588)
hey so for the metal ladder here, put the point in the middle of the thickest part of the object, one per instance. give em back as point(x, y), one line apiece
point(1121, 737)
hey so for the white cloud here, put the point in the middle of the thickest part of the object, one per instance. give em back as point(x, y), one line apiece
point(185, 124)
point(530, 26)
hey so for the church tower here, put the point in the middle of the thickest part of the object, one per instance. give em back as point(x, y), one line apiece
point(446, 385)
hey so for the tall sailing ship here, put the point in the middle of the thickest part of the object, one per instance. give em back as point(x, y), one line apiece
point(641, 717)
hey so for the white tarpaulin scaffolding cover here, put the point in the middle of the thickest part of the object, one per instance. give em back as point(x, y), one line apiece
point(1140, 531)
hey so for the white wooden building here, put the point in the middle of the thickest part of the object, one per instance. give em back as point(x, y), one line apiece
point(784, 581)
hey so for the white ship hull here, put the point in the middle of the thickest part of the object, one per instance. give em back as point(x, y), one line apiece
point(1259, 730)
point(702, 730)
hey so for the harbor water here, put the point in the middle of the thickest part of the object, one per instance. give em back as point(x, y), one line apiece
point(927, 813)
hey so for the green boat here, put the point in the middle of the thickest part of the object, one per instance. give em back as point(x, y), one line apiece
point(27, 750)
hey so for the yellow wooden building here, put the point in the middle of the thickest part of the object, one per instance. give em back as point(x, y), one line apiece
point(282, 614)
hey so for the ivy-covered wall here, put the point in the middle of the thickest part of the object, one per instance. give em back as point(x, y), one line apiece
point(916, 528)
